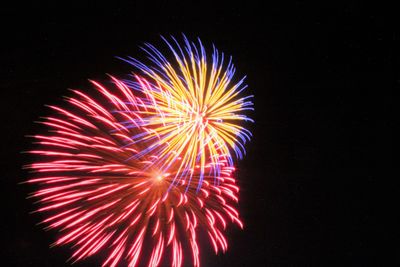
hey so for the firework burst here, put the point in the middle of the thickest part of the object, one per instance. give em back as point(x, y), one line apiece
point(193, 108)
point(101, 192)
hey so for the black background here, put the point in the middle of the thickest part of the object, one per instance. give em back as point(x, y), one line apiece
point(320, 75)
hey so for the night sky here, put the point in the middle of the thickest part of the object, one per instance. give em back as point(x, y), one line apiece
point(320, 75)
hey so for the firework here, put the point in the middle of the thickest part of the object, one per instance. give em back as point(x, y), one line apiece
point(193, 108)
point(102, 193)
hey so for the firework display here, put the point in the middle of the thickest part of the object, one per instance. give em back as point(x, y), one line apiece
point(139, 168)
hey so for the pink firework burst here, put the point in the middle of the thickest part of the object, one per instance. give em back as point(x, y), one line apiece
point(102, 194)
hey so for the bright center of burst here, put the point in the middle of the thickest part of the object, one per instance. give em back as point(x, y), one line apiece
point(159, 177)
point(200, 118)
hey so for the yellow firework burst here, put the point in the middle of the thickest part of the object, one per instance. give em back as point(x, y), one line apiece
point(191, 108)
